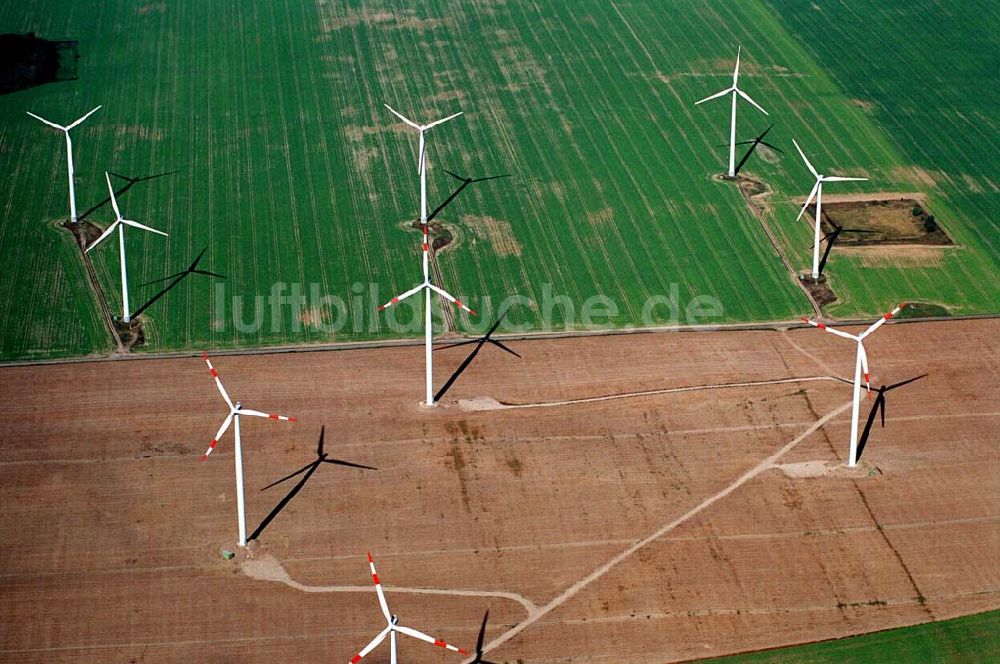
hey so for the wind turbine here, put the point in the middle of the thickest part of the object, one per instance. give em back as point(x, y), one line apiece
point(69, 155)
point(735, 91)
point(426, 286)
point(817, 192)
point(120, 223)
point(393, 626)
point(235, 410)
point(422, 157)
point(860, 367)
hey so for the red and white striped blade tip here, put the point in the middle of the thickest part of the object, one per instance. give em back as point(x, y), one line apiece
point(211, 447)
point(444, 644)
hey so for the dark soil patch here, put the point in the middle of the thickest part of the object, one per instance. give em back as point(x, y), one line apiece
point(29, 61)
point(130, 334)
point(924, 310)
point(441, 237)
point(820, 290)
point(755, 192)
point(898, 221)
point(84, 232)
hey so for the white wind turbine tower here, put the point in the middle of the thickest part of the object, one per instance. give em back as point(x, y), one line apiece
point(817, 191)
point(860, 368)
point(120, 223)
point(393, 626)
point(426, 286)
point(735, 91)
point(235, 410)
point(69, 155)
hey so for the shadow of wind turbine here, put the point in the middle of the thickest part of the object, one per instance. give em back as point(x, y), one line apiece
point(832, 237)
point(310, 468)
point(480, 342)
point(465, 183)
point(479, 643)
point(129, 183)
point(753, 143)
point(177, 277)
point(879, 407)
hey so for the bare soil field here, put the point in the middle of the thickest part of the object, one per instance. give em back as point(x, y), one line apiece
point(639, 498)
point(882, 222)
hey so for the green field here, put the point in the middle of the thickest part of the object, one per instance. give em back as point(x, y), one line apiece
point(936, 97)
point(962, 640)
point(290, 171)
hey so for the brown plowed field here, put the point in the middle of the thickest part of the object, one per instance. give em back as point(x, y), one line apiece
point(640, 529)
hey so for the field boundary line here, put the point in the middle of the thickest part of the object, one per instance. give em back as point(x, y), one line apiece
point(762, 326)
point(595, 575)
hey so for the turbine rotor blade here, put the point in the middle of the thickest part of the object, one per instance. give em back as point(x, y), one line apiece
point(409, 631)
point(736, 69)
point(882, 321)
point(805, 159)
point(114, 200)
point(809, 200)
point(41, 119)
point(437, 122)
point(218, 382)
point(218, 436)
point(401, 117)
point(269, 416)
point(838, 178)
point(747, 97)
point(827, 328)
point(374, 643)
point(715, 96)
point(400, 298)
point(458, 303)
point(136, 224)
point(864, 365)
point(87, 115)
point(422, 154)
point(378, 590)
point(110, 229)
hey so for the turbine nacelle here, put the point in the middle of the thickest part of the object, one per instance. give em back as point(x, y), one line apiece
point(422, 150)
